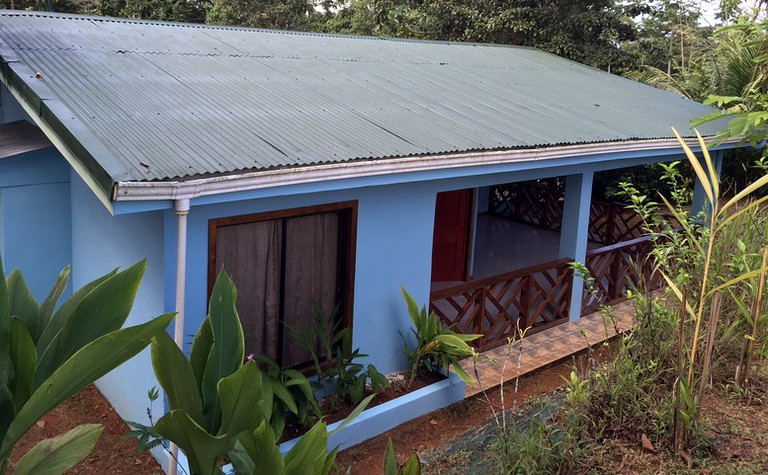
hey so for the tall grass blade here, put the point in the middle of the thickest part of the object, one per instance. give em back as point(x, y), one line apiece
point(678, 294)
point(713, 176)
point(756, 322)
point(714, 318)
point(696, 164)
point(740, 212)
point(684, 223)
point(736, 280)
point(754, 186)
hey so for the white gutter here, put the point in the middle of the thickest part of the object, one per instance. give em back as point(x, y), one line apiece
point(182, 210)
point(195, 188)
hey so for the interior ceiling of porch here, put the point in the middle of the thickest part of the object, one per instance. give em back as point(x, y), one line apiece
point(502, 245)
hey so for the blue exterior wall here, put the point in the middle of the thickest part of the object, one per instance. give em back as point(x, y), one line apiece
point(100, 243)
point(393, 248)
point(35, 230)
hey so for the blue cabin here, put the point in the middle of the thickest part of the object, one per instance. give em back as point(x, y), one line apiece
point(315, 169)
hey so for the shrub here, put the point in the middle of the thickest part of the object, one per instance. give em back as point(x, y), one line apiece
point(292, 393)
point(334, 358)
point(47, 356)
point(221, 403)
point(437, 346)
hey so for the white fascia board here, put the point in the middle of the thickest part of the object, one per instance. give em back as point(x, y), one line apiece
point(196, 188)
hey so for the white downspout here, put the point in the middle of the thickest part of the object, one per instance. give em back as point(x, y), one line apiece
point(182, 210)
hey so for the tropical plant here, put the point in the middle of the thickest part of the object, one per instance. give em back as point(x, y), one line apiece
point(437, 346)
point(330, 348)
point(46, 356)
point(743, 77)
point(221, 403)
point(709, 287)
point(257, 452)
point(292, 393)
point(351, 377)
point(412, 465)
point(213, 396)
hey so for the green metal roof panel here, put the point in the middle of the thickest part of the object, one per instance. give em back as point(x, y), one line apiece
point(157, 101)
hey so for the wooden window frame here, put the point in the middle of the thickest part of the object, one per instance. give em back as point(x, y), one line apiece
point(347, 242)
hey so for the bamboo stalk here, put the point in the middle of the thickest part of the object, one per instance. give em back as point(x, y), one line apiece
point(677, 426)
point(758, 306)
point(714, 316)
point(700, 313)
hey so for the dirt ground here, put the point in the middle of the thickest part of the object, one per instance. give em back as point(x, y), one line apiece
point(112, 454)
point(439, 427)
point(739, 431)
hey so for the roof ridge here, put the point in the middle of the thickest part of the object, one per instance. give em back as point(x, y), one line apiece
point(207, 26)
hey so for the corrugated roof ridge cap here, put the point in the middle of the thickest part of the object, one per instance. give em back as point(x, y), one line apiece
point(207, 26)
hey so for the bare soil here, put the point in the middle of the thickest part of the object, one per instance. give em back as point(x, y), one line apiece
point(738, 434)
point(335, 408)
point(112, 454)
point(435, 429)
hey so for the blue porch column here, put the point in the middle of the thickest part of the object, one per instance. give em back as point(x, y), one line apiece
point(573, 236)
point(699, 201)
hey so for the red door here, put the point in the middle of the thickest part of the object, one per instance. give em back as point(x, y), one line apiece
point(451, 242)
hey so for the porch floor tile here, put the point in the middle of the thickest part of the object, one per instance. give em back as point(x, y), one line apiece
point(547, 347)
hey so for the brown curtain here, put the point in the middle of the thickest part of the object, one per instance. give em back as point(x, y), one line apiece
point(311, 275)
point(298, 255)
point(250, 253)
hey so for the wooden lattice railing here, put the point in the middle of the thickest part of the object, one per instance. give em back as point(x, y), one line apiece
point(528, 203)
point(537, 296)
point(617, 268)
point(542, 206)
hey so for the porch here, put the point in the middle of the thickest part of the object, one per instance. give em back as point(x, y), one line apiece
point(517, 276)
point(545, 348)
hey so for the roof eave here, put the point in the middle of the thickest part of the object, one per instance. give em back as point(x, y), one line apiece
point(59, 133)
point(128, 191)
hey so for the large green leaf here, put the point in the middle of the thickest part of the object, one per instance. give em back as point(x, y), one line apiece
point(454, 345)
point(299, 380)
point(103, 310)
point(201, 349)
point(228, 349)
point(7, 411)
point(24, 359)
point(281, 392)
point(57, 455)
point(413, 308)
point(701, 174)
point(23, 303)
point(84, 367)
point(49, 305)
point(244, 403)
point(174, 373)
point(241, 461)
point(309, 453)
point(390, 459)
point(462, 374)
point(352, 415)
point(202, 449)
point(412, 466)
point(258, 453)
point(61, 316)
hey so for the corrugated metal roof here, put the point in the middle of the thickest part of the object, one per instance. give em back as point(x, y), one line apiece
point(159, 101)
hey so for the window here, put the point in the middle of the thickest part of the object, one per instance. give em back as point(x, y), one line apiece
point(282, 264)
